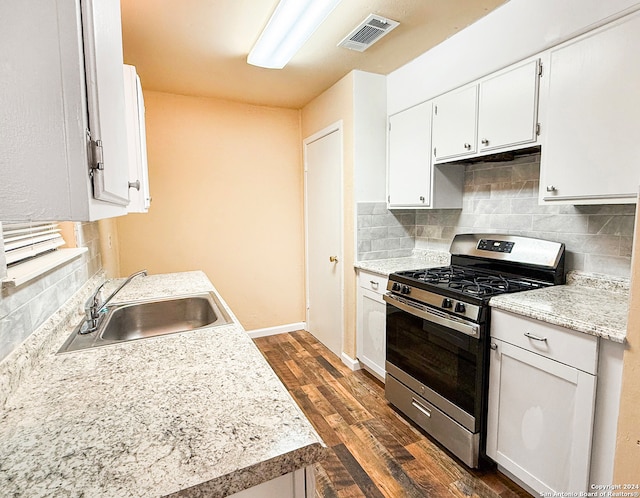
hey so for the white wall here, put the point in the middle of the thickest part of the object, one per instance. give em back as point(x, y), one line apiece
point(370, 117)
point(514, 31)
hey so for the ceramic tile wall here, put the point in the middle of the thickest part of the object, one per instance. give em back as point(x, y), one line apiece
point(384, 234)
point(502, 197)
point(24, 308)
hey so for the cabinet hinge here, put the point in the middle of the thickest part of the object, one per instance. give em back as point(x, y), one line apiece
point(389, 125)
point(435, 110)
point(537, 129)
point(540, 70)
point(434, 152)
point(96, 161)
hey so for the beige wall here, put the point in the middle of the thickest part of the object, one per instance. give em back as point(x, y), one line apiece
point(227, 187)
point(336, 104)
point(627, 461)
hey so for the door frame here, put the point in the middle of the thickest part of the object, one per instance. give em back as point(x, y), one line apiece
point(334, 127)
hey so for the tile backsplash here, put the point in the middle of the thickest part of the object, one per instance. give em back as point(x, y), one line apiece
point(23, 309)
point(502, 197)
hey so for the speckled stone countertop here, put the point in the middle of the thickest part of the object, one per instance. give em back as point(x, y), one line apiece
point(198, 413)
point(594, 304)
point(418, 260)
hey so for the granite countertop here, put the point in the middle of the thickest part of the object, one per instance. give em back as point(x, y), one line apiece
point(593, 304)
point(198, 413)
point(418, 260)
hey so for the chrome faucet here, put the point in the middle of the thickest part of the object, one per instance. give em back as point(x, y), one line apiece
point(93, 306)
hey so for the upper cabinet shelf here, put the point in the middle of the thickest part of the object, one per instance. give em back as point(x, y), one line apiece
point(494, 114)
point(590, 153)
point(64, 154)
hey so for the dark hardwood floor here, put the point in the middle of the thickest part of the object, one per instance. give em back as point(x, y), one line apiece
point(374, 451)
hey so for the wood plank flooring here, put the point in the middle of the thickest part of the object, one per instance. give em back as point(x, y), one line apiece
point(374, 451)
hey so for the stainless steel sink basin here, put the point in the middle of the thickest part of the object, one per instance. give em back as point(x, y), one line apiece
point(143, 319)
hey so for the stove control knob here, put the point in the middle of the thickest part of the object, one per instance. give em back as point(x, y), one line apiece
point(460, 308)
point(406, 289)
point(395, 287)
point(446, 303)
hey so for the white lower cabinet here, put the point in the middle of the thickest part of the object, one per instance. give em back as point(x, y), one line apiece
point(541, 403)
point(371, 323)
point(297, 484)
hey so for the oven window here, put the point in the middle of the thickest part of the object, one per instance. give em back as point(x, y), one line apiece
point(443, 359)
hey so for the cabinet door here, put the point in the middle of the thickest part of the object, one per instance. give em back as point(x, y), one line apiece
point(139, 196)
point(455, 123)
point(508, 108)
point(102, 34)
point(540, 419)
point(371, 338)
point(409, 166)
point(590, 151)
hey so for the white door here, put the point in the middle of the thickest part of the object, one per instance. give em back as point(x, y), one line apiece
point(323, 204)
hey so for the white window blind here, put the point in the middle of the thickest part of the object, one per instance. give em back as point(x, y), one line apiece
point(25, 241)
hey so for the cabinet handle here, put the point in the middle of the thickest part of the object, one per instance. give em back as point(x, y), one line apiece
point(374, 284)
point(535, 337)
point(424, 410)
point(467, 146)
point(485, 141)
point(551, 188)
point(493, 346)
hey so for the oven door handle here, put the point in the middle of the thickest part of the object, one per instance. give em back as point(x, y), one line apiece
point(423, 312)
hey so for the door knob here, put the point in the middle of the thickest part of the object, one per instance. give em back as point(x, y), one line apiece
point(333, 259)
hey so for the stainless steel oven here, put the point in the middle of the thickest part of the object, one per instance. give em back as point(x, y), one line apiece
point(438, 327)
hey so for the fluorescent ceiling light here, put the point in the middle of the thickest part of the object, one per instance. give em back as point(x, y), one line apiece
point(292, 23)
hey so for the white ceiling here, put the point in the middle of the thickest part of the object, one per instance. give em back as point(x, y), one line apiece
point(199, 47)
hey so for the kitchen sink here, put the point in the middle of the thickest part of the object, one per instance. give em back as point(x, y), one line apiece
point(152, 318)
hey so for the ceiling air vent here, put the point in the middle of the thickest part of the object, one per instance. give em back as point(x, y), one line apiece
point(368, 32)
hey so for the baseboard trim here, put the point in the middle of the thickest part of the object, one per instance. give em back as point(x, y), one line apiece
point(280, 329)
point(353, 364)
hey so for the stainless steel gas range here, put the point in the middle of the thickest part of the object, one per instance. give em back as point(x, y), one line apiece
point(438, 327)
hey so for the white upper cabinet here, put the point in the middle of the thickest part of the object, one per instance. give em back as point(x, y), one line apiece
point(410, 157)
point(412, 180)
point(496, 113)
point(455, 124)
point(139, 196)
point(508, 108)
point(62, 80)
point(590, 152)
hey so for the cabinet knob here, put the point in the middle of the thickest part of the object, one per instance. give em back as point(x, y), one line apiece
point(485, 141)
point(493, 346)
point(467, 146)
point(135, 185)
point(422, 198)
point(551, 188)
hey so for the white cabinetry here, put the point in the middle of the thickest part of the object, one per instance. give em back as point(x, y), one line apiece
point(297, 484)
point(455, 124)
point(412, 179)
point(496, 113)
point(541, 402)
point(508, 107)
point(62, 78)
point(590, 152)
point(371, 322)
point(139, 195)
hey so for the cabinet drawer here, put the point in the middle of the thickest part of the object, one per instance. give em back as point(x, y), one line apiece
point(557, 343)
point(372, 281)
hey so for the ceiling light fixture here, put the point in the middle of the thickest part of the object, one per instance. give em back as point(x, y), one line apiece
point(290, 26)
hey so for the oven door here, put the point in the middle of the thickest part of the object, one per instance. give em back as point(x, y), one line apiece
point(438, 356)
